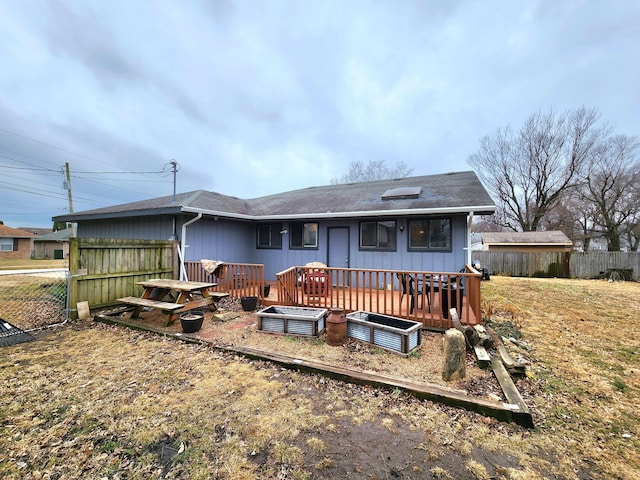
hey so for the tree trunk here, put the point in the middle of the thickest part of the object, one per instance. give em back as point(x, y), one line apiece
point(613, 241)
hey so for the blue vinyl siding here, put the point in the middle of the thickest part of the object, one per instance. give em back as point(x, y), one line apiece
point(235, 241)
point(221, 240)
point(140, 228)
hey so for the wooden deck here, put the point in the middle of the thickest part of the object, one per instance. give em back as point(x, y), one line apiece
point(383, 291)
point(386, 302)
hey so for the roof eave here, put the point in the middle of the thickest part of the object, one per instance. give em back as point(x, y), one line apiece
point(178, 209)
point(172, 210)
point(476, 210)
point(530, 244)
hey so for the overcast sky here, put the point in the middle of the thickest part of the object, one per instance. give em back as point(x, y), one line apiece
point(258, 97)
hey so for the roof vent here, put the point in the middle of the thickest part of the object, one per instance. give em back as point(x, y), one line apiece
point(401, 192)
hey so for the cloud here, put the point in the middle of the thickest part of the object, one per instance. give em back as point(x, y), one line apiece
point(253, 98)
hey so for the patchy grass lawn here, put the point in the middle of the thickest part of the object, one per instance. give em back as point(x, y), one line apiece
point(93, 401)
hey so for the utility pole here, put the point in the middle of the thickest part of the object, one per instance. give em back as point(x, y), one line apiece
point(67, 185)
point(174, 164)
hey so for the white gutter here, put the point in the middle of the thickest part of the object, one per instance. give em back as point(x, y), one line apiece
point(351, 214)
point(183, 238)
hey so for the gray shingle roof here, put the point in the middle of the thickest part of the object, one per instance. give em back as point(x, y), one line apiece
point(451, 192)
point(551, 237)
point(64, 234)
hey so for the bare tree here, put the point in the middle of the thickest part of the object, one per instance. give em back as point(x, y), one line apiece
point(631, 231)
point(575, 217)
point(611, 185)
point(530, 171)
point(373, 170)
point(485, 223)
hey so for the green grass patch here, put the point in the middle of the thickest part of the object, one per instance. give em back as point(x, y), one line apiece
point(620, 385)
point(628, 355)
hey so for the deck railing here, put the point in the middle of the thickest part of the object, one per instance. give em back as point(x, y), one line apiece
point(237, 279)
point(421, 296)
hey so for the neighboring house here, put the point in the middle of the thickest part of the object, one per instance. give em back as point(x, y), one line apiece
point(15, 243)
point(476, 241)
point(54, 245)
point(415, 223)
point(551, 241)
point(36, 230)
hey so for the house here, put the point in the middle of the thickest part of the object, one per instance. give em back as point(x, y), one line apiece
point(15, 243)
point(414, 223)
point(550, 241)
point(54, 245)
point(36, 230)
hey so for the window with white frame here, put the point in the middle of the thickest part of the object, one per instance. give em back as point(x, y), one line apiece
point(6, 244)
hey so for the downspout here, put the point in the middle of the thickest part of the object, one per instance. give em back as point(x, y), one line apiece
point(183, 272)
point(469, 224)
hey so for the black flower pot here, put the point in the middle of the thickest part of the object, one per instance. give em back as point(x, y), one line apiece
point(265, 291)
point(249, 304)
point(191, 322)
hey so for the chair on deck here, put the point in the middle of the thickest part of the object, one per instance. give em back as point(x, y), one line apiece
point(408, 285)
point(454, 287)
point(315, 279)
point(432, 283)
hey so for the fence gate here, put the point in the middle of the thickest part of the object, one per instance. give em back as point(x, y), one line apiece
point(32, 299)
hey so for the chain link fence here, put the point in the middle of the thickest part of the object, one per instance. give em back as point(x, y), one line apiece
point(34, 299)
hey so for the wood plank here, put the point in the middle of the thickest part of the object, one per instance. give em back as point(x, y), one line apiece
point(482, 355)
point(502, 411)
point(431, 392)
point(143, 302)
point(205, 302)
point(508, 360)
point(521, 414)
point(176, 284)
point(218, 295)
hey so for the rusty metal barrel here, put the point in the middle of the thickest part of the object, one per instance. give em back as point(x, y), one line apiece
point(336, 328)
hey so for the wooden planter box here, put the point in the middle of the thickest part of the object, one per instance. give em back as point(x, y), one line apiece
point(292, 320)
point(391, 333)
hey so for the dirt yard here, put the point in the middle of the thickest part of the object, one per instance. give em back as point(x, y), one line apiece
point(90, 400)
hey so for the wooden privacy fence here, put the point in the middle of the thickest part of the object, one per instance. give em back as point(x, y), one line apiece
point(592, 264)
point(559, 264)
point(103, 269)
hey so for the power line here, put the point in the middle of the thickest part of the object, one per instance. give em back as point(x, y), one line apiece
point(27, 163)
point(48, 144)
point(117, 173)
point(87, 172)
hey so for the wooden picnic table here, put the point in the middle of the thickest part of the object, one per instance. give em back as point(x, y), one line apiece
point(184, 296)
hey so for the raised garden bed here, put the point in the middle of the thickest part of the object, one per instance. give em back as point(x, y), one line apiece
point(391, 333)
point(292, 320)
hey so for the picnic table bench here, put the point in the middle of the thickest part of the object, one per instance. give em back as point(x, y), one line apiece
point(155, 291)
